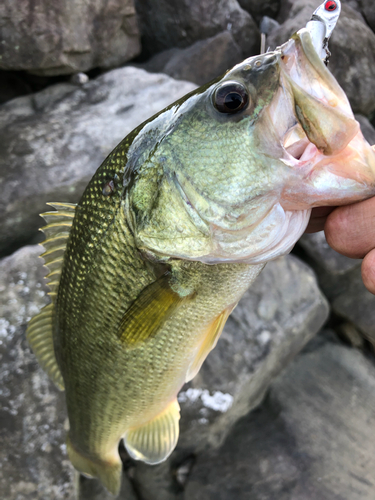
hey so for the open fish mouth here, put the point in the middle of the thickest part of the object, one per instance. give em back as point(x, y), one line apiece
point(318, 133)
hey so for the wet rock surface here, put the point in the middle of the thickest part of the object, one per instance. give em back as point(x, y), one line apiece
point(340, 279)
point(34, 464)
point(201, 62)
point(308, 440)
point(53, 38)
point(53, 141)
point(165, 25)
point(324, 257)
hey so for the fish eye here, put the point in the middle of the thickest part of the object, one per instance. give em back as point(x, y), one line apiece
point(230, 97)
point(331, 5)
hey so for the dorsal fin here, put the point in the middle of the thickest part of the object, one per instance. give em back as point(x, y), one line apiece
point(40, 329)
point(59, 223)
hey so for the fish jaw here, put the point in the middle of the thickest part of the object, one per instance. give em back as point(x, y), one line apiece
point(331, 163)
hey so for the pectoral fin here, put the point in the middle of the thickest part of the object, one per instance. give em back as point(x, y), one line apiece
point(210, 339)
point(156, 303)
point(154, 442)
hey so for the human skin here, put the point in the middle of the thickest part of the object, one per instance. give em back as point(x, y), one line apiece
point(350, 230)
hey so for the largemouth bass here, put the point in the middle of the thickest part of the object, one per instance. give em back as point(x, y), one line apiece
point(175, 225)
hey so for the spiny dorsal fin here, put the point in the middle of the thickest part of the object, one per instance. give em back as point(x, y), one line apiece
point(40, 338)
point(40, 329)
point(57, 230)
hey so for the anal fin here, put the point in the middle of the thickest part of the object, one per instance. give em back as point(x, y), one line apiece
point(154, 442)
point(210, 339)
point(39, 334)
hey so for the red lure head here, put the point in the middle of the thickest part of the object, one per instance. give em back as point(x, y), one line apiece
point(331, 5)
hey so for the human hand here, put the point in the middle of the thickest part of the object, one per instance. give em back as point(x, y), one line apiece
point(350, 230)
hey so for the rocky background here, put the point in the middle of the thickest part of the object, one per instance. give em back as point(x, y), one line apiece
point(284, 407)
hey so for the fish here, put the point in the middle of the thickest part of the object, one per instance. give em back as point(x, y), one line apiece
point(172, 229)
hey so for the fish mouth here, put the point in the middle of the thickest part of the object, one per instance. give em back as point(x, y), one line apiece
point(318, 134)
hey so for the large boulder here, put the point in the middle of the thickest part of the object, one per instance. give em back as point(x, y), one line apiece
point(201, 62)
point(33, 460)
point(166, 24)
point(311, 439)
point(54, 38)
point(53, 141)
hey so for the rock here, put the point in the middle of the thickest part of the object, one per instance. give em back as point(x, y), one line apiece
point(367, 129)
point(165, 25)
point(341, 282)
point(54, 38)
point(367, 7)
point(201, 62)
point(33, 460)
point(311, 439)
point(53, 141)
point(273, 321)
point(355, 303)
point(324, 257)
point(352, 46)
point(259, 9)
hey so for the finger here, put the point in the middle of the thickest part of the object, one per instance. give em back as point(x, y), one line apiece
point(350, 230)
point(368, 271)
point(318, 218)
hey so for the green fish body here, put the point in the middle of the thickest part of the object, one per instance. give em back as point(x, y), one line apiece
point(172, 229)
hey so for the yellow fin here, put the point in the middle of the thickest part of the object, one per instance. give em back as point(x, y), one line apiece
point(210, 339)
point(40, 338)
point(154, 442)
point(149, 311)
point(57, 230)
point(108, 471)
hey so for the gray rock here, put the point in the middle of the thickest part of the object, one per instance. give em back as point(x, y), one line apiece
point(324, 257)
point(53, 141)
point(259, 9)
point(367, 129)
point(54, 38)
point(201, 62)
point(340, 280)
point(355, 303)
point(368, 11)
point(311, 439)
point(352, 46)
point(274, 320)
point(166, 24)
point(33, 460)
